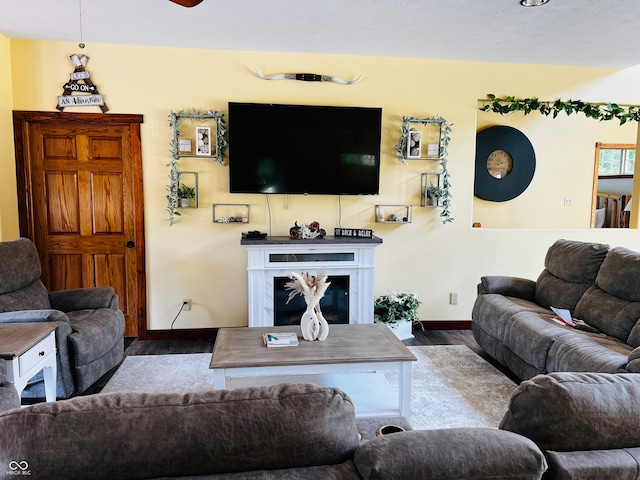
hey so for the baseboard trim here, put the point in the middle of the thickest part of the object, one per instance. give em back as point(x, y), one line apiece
point(192, 333)
point(443, 325)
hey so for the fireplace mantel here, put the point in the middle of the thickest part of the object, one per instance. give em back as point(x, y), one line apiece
point(273, 257)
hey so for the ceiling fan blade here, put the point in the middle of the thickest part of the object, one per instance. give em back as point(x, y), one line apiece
point(187, 3)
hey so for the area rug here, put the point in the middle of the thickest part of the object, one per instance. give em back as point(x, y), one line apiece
point(452, 386)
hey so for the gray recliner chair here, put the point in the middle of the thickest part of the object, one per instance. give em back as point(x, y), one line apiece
point(90, 340)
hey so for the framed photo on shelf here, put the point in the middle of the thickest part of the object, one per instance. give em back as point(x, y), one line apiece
point(203, 141)
point(414, 144)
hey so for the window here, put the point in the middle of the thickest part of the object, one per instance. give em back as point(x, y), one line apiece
point(615, 159)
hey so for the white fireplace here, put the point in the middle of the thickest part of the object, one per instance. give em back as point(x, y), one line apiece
point(275, 257)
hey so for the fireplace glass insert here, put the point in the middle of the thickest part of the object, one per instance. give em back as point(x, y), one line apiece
point(334, 305)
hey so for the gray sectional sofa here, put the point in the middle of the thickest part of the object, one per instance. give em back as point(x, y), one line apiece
point(587, 424)
point(287, 431)
point(601, 286)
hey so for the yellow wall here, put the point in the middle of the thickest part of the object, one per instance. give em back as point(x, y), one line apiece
point(8, 201)
point(204, 261)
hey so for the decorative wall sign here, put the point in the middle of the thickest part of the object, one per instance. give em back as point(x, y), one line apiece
point(308, 77)
point(84, 94)
point(353, 232)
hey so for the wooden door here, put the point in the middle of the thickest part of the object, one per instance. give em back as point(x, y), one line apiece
point(80, 201)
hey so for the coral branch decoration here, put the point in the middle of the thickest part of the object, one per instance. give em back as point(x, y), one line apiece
point(312, 288)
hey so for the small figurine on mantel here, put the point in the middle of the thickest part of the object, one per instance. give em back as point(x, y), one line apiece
point(305, 231)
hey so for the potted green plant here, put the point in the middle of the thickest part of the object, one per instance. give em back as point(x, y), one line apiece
point(433, 196)
point(185, 194)
point(399, 310)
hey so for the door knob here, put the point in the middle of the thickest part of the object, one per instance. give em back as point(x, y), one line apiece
point(130, 244)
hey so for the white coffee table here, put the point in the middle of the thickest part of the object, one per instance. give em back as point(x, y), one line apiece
point(351, 358)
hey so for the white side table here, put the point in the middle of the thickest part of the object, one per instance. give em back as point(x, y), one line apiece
point(27, 348)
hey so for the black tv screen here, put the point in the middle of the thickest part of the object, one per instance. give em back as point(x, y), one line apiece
point(296, 149)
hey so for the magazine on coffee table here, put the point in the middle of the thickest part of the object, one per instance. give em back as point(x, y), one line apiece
point(280, 339)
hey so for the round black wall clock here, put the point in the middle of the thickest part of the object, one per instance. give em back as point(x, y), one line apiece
point(505, 163)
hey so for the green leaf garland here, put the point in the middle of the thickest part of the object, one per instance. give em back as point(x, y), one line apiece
point(597, 111)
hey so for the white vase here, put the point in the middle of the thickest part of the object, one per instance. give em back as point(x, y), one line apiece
point(185, 202)
point(401, 329)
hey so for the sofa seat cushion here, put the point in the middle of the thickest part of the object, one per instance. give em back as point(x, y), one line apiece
point(94, 333)
point(454, 453)
point(497, 309)
point(571, 411)
point(618, 464)
point(570, 268)
point(587, 352)
point(529, 337)
point(132, 435)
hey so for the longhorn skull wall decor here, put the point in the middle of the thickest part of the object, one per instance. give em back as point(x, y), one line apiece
point(308, 77)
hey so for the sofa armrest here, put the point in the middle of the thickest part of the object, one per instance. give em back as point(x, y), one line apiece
point(84, 299)
point(26, 316)
point(454, 453)
point(633, 361)
point(509, 286)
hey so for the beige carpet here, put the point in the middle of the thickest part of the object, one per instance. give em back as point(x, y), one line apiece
point(451, 385)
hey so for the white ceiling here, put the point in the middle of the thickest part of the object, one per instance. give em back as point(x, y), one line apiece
point(599, 33)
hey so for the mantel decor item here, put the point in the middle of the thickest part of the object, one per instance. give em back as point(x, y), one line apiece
point(215, 146)
point(402, 153)
point(305, 231)
point(312, 288)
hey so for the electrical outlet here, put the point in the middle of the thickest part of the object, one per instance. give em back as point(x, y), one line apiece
point(453, 298)
point(568, 202)
point(186, 304)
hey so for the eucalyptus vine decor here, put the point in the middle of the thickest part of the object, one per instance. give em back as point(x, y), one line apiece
point(597, 111)
point(445, 132)
point(173, 196)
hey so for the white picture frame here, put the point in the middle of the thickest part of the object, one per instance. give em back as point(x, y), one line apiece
point(203, 141)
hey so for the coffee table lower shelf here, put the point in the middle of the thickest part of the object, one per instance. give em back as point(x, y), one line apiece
point(371, 393)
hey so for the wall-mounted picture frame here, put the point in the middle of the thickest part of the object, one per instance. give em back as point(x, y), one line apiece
point(414, 144)
point(203, 141)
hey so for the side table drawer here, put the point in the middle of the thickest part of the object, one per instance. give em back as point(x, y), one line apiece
point(37, 353)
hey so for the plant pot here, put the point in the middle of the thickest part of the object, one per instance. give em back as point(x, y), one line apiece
point(401, 329)
point(185, 202)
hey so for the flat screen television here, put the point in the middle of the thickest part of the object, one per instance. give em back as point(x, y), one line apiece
point(301, 149)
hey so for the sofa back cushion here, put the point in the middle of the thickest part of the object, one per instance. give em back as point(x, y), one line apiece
point(577, 411)
point(571, 267)
point(129, 435)
point(612, 304)
point(20, 285)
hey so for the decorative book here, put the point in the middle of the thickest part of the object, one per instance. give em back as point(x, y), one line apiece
point(280, 339)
